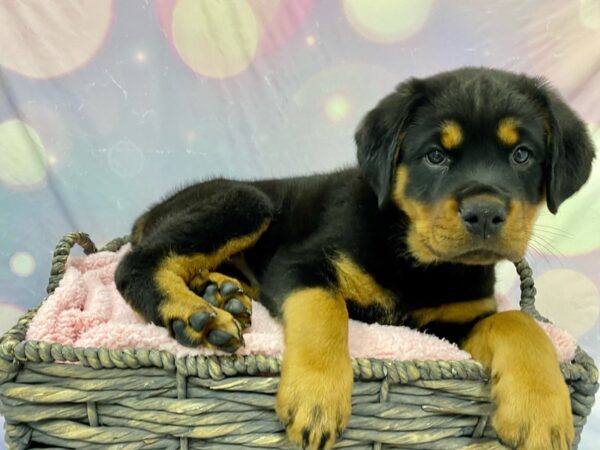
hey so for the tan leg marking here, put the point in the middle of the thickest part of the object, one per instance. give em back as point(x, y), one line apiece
point(533, 406)
point(460, 312)
point(314, 397)
point(358, 286)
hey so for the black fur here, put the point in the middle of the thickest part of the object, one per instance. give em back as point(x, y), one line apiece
point(315, 217)
point(572, 151)
point(378, 138)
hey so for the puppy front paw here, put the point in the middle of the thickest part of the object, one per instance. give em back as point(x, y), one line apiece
point(533, 413)
point(315, 404)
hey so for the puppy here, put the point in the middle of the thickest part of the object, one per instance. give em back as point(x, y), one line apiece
point(452, 171)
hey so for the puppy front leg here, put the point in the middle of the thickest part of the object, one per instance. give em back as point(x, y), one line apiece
point(533, 409)
point(314, 397)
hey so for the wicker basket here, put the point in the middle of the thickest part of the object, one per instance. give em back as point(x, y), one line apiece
point(137, 398)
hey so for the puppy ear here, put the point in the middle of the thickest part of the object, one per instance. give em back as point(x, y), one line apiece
point(571, 151)
point(379, 135)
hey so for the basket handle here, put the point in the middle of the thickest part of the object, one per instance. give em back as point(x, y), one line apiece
point(61, 254)
point(64, 247)
point(528, 291)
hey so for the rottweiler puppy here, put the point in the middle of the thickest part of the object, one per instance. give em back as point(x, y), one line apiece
point(451, 173)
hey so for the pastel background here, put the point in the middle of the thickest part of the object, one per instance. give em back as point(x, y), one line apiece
point(105, 106)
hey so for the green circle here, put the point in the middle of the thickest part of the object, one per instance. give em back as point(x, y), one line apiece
point(387, 21)
point(23, 159)
point(22, 264)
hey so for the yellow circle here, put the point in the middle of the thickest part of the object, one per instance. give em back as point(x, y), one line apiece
point(575, 228)
point(337, 107)
point(215, 38)
point(22, 264)
point(23, 159)
point(387, 20)
point(44, 40)
point(569, 299)
point(589, 13)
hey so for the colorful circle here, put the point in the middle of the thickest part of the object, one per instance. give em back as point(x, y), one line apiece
point(589, 13)
point(141, 56)
point(276, 21)
point(562, 48)
point(332, 93)
point(215, 51)
point(22, 264)
point(23, 158)
point(387, 21)
point(337, 107)
point(279, 21)
point(569, 299)
point(41, 40)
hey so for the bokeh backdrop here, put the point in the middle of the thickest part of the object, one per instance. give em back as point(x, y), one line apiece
point(105, 106)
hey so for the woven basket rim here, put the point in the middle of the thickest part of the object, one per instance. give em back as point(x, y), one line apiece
point(15, 350)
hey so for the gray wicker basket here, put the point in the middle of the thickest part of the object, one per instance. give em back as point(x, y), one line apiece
point(138, 398)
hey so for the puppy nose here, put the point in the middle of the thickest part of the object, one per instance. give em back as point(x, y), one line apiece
point(483, 218)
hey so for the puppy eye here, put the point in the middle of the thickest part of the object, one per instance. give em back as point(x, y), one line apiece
point(521, 154)
point(436, 157)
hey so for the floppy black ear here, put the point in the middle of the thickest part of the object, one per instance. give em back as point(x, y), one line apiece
point(570, 148)
point(378, 137)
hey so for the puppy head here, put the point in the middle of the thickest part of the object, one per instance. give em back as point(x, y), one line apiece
point(469, 156)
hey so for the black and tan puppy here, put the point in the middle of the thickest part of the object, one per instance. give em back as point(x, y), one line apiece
point(451, 172)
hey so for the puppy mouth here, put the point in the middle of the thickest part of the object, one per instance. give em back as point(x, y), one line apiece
point(475, 256)
point(480, 257)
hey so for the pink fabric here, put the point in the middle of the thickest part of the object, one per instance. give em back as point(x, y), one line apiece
point(86, 310)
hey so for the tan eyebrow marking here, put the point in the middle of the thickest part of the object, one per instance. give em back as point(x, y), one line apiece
point(508, 131)
point(451, 135)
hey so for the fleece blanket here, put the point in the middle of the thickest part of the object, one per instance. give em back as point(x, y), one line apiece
point(86, 310)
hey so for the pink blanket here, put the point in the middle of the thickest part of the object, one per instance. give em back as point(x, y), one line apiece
point(86, 310)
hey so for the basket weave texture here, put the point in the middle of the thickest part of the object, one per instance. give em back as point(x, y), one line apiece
point(57, 396)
